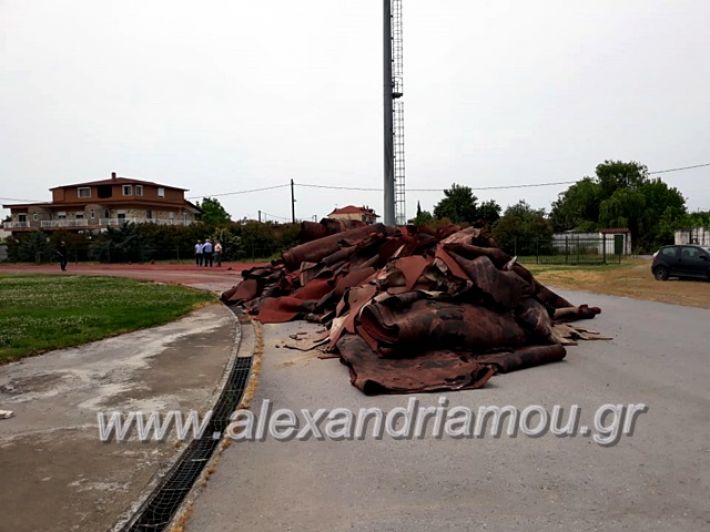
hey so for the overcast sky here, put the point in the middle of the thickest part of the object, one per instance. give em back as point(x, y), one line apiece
point(220, 96)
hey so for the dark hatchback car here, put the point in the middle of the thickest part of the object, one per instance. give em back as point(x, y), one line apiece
point(681, 261)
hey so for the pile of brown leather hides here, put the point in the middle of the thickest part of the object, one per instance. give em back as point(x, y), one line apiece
point(412, 309)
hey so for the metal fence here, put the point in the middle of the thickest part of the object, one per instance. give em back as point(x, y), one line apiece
point(572, 250)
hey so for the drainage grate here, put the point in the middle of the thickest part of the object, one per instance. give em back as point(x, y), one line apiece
point(161, 505)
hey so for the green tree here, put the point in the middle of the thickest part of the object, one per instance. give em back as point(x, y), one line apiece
point(693, 219)
point(621, 195)
point(213, 212)
point(458, 205)
point(613, 175)
point(578, 207)
point(422, 217)
point(522, 229)
point(489, 212)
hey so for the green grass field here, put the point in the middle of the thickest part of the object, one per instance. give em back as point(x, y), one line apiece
point(43, 312)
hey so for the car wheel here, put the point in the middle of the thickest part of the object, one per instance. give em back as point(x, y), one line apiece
point(660, 273)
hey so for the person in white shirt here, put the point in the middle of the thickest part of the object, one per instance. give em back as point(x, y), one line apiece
point(198, 253)
point(218, 253)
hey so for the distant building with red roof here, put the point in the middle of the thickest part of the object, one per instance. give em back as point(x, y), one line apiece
point(351, 212)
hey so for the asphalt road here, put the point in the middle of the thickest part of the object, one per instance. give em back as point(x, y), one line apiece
point(656, 479)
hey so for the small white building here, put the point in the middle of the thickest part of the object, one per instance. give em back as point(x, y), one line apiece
point(617, 241)
point(695, 235)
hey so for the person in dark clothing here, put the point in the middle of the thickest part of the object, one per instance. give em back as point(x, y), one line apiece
point(62, 254)
point(207, 253)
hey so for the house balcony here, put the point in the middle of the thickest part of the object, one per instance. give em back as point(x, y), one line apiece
point(65, 224)
point(117, 222)
point(10, 226)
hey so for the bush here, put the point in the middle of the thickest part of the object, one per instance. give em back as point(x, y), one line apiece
point(152, 242)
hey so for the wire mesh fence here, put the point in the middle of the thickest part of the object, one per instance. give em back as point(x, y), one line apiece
point(571, 249)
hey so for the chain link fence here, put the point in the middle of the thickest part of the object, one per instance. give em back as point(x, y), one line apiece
point(571, 249)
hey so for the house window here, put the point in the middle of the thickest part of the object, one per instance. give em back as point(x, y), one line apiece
point(139, 190)
point(149, 214)
point(105, 191)
point(161, 192)
point(121, 216)
point(127, 190)
point(83, 192)
point(79, 215)
point(22, 217)
point(61, 215)
point(92, 214)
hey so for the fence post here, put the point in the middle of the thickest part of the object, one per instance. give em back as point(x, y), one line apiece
point(537, 250)
point(604, 248)
point(566, 249)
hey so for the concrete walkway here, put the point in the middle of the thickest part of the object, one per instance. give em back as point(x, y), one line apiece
point(55, 474)
point(658, 479)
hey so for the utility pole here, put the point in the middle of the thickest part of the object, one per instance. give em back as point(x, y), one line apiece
point(259, 216)
point(293, 205)
point(388, 109)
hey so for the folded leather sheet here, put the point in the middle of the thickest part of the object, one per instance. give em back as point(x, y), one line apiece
point(414, 309)
point(430, 371)
point(429, 323)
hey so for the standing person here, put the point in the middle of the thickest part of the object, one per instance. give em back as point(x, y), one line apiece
point(218, 253)
point(62, 252)
point(207, 250)
point(198, 253)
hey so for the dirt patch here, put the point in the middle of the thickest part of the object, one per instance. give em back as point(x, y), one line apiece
point(632, 279)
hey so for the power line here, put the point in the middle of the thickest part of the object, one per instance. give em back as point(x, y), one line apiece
point(501, 187)
point(377, 189)
point(336, 187)
point(680, 168)
point(240, 191)
point(497, 187)
point(19, 199)
point(373, 189)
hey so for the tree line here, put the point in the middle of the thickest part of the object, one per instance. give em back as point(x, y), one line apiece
point(619, 195)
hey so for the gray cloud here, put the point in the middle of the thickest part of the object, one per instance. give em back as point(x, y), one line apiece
point(228, 95)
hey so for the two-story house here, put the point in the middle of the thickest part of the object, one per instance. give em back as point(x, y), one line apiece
point(94, 205)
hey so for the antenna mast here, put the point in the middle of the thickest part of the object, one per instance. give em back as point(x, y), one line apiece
point(395, 208)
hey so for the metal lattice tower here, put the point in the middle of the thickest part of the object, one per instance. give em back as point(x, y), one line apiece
point(400, 211)
point(395, 207)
